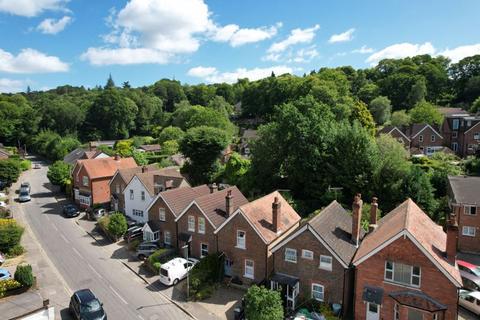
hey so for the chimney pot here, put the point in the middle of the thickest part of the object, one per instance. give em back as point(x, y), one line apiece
point(276, 214)
point(213, 188)
point(144, 169)
point(356, 218)
point(117, 156)
point(228, 203)
point(373, 214)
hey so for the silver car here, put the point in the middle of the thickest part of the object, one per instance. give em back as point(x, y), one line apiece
point(24, 195)
point(146, 249)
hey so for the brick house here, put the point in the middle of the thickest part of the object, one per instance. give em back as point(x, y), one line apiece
point(396, 133)
point(250, 232)
point(198, 221)
point(464, 194)
point(406, 269)
point(424, 139)
point(118, 183)
point(316, 257)
point(462, 133)
point(165, 208)
point(92, 176)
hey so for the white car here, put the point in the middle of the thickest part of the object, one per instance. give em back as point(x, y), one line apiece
point(175, 270)
point(3, 204)
point(470, 300)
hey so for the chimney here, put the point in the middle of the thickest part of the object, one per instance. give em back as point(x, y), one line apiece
point(452, 236)
point(276, 214)
point(228, 203)
point(117, 156)
point(373, 214)
point(356, 218)
point(213, 188)
point(144, 169)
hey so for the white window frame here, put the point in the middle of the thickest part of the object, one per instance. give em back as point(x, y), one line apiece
point(85, 181)
point(455, 124)
point(476, 136)
point(191, 223)
point(132, 196)
point(292, 252)
point(202, 250)
point(142, 195)
point(307, 254)
point(396, 312)
point(455, 146)
point(241, 241)
point(432, 138)
point(167, 238)
point(315, 287)
point(412, 275)
point(468, 231)
point(420, 138)
point(137, 213)
point(324, 265)
point(469, 211)
point(201, 225)
point(162, 214)
point(117, 188)
point(249, 270)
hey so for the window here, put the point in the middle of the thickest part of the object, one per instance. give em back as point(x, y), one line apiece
point(203, 250)
point(138, 213)
point(402, 273)
point(455, 124)
point(476, 136)
point(455, 146)
point(117, 188)
point(167, 238)
point(131, 194)
point(307, 254)
point(396, 312)
point(291, 255)
point(201, 225)
point(161, 214)
point(454, 134)
point(468, 231)
point(143, 195)
point(326, 263)
point(191, 223)
point(317, 292)
point(432, 138)
point(435, 316)
point(149, 236)
point(420, 138)
point(241, 239)
point(470, 210)
point(414, 314)
point(249, 269)
point(85, 181)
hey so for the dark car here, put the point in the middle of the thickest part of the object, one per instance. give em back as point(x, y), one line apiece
point(85, 306)
point(133, 233)
point(70, 211)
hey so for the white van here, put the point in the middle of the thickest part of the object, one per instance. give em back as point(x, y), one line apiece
point(175, 270)
point(470, 300)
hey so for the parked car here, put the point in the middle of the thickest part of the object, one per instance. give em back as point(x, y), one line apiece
point(36, 166)
point(175, 270)
point(133, 223)
point(4, 274)
point(84, 305)
point(24, 195)
point(133, 233)
point(3, 184)
point(467, 267)
point(3, 204)
point(470, 300)
point(2, 258)
point(470, 281)
point(25, 185)
point(97, 214)
point(71, 210)
point(145, 249)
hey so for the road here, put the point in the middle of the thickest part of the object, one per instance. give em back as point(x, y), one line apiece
point(82, 263)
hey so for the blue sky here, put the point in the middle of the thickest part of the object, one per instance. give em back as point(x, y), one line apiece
point(46, 43)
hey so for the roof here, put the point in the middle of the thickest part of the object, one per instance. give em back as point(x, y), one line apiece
point(417, 300)
point(465, 189)
point(85, 295)
point(128, 173)
point(408, 219)
point(150, 178)
point(178, 199)
point(106, 167)
point(447, 111)
point(250, 134)
point(284, 279)
point(417, 128)
point(259, 214)
point(154, 225)
point(150, 147)
point(73, 156)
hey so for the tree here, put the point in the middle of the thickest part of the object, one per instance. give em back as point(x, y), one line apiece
point(9, 171)
point(59, 173)
point(236, 171)
point(417, 93)
point(110, 84)
point(140, 158)
point(361, 114)
point(263, 304)
point(170, 133)
point(195, 116)
point(24, 275)
point(170, 147)
point(368, 92)
point(117, 224)
point(425, 112)
point(10, 234)
point(381, 109)
point(124, 148)
point(418, 187)
point(170, 91)
point(18, 119)
point(475, 108)
point(400, 118)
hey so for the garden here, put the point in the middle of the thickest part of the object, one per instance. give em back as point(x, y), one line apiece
point(206, 276)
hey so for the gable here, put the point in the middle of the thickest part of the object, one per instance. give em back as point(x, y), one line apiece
point(159, 202)
point(427, 130)
point(136, 185)
point(395, 132)
point(195, 207)
point(117, 178)
point(240, 222)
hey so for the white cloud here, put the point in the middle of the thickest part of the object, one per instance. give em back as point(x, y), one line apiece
point(458, 53)
point(304, 55)
point(52, 26)
point(363, 50)
point(124, 56)
point(401, 50)
point(296, 36)
point(30, 61)
point(342, 37)
point(11, 86)
point(236, 36)
point(212, 75)
point(31, 8)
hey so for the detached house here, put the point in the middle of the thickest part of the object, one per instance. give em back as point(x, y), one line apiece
point(314, 262)
point(249, 234)
point(92, 176)
point(406, 269)
point(462, 133)
point(396, 133)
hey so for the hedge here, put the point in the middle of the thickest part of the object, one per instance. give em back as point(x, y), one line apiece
point(24, 275)
point(205, 276)
point(10, 234)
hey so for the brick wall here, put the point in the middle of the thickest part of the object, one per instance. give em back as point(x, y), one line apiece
point(118, 180)
point(468, 243)
point(168, 225)
point(433, 282)
point(427, 142)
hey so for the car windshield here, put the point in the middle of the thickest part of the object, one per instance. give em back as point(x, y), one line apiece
point(23, 193)
point(91, 306)
point(164, 272)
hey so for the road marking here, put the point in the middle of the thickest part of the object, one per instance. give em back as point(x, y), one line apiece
point(94, 271)
point(78, 253)
point(118, 295)
point(64, 239)
point(54, 227)
point(140, 317)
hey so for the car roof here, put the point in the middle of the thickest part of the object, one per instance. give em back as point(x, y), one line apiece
point(4, 270)
point(466, 264)
point(475, 294)
point(85, 295)
point(174, 262)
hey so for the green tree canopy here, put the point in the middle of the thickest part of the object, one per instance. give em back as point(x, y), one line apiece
point(263, 304)
point(425, 112)
point(59, 173)
point(381, 109)
point(9, 171)
point(400, 118)
point(170, 133)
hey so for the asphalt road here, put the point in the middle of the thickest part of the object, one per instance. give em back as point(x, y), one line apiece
point(83, 263)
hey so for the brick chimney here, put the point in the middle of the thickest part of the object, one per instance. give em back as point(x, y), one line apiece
point(276, 214)
point(452, 236)
point(373, 214)
point(144, 169)
point(356, 218)
point(117, 156)
point(228, 203)
point(213, 188)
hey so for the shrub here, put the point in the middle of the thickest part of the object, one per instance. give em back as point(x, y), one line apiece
point(117, 225)
point(263, 304)
point(25, 165)
point(133, 245)
point(10, 234)
point(24, 275)
point(9, 171)
point(103, 222)
point(156, 266)
point(7, 285)
point(59, 173)
point(16, 250)
point(206, 273)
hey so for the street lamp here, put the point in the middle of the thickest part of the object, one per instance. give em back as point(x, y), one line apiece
point(188, 270)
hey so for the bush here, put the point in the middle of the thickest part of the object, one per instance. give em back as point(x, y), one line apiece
point(15, 251)
point(9, 171)
point(206, 273)
point(7, 285)
point(24, 275)
point(10, 234)
point(103, 222)
point(117, 225)
point(156, 267)
point(59, 173)
point(263, 304)
point(25, 165)
point(133, 245)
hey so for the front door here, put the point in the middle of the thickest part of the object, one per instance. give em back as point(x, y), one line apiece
point(227, 269)
point(373, 311)
point(115, 206)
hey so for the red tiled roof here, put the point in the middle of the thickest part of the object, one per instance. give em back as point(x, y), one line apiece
point(105, 167)
point(128, 173)
point(179, 199)
point(149, 177)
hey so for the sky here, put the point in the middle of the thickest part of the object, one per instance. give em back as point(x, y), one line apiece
point(48, 43)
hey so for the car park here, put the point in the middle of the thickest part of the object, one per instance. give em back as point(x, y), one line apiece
point(470, 300)
point(24, 195)
point(133, 233)
point(84, 305)
point(5, 274)
point(71, 210)
point(175, 270)
point(145, 249)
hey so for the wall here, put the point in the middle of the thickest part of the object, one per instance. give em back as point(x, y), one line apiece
point(118, 180)
point(137, 203)
point(467, 243)
point(168, 225)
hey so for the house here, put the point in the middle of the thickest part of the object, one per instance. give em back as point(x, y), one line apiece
point(464, 194)
point(199, 220)
point(4, 154)
point(396, 133)
point(118, 183)
point(405, 268)
point(250, 232)
point(91, 179)
point(164, 209)
point(248, 136)
point(462, 133)
point(81, 153)
point(314, 262)
point(177, 159)
point(145, 185)
point(424, 139)
point(149, 148)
